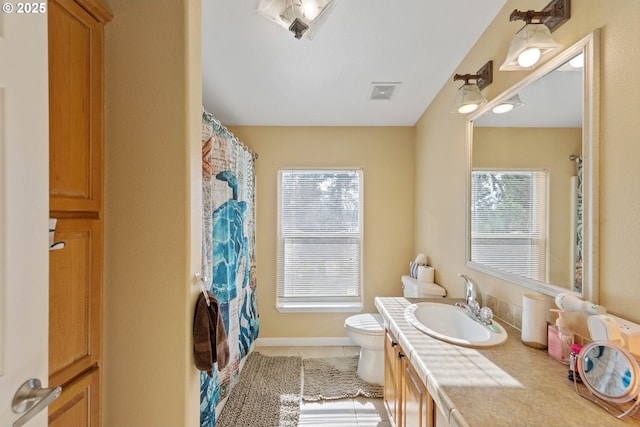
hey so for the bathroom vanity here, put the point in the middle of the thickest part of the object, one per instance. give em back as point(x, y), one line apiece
point(429, 382)
point(406, 397)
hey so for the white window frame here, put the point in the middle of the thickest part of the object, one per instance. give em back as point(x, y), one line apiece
point(285, 301)
point(537, 266)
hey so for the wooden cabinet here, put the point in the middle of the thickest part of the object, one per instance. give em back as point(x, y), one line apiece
point(78, 404)
point(76, 111)
point(417, 404)
point(405, 395)
point(76, 105)
point(75, 302)
point(392, 369)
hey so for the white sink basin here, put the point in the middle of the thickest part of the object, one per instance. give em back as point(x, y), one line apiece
point(453, 325)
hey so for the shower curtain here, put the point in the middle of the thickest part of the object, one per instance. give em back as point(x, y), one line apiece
point(228, 252)
point(577, 285)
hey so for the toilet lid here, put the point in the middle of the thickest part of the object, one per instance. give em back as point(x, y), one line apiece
point(368, 323)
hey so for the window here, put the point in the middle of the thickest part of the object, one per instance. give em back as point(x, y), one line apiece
point(319, 240)
point(509, 221)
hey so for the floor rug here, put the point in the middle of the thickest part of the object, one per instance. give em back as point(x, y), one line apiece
point(266, 395)
point(335, 378)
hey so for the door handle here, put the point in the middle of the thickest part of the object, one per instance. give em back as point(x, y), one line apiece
point(31, 398)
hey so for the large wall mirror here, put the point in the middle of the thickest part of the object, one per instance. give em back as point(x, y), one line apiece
point(532, 199)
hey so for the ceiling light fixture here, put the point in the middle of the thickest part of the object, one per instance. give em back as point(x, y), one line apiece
point(469, 97)
point(301, 17)
point(534, 41)
point(508, 105)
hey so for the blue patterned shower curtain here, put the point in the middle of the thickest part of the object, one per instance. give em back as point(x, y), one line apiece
point(228, 251)
point(577, 285)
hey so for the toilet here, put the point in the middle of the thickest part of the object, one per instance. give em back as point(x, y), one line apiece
point(367, 330)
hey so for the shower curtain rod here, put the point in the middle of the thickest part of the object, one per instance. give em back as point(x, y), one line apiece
point(235, 138)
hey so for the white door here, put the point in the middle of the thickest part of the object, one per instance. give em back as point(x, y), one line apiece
point(24, 204)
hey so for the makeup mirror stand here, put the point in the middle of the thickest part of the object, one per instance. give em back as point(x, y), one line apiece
point(616, 409)
point(612, 408)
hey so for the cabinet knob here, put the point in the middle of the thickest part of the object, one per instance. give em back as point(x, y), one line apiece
point(393, 343)
point(400, 355)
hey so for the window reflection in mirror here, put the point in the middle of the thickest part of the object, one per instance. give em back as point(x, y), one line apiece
point(526, 201)
point(509, 220)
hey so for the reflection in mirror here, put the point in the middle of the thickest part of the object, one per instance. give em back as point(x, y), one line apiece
point(610, 373)
point(532, 168)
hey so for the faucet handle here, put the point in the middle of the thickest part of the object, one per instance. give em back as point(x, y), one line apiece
point(486, 314)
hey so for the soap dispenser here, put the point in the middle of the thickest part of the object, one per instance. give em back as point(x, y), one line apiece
point(560, 338)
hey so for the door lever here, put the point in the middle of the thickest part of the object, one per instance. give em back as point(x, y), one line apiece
point(31, 398)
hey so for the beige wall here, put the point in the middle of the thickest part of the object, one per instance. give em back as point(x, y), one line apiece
point(386, 155)
point(539, 148)
point(152, 193)
point(152, 212)
point(440, 153)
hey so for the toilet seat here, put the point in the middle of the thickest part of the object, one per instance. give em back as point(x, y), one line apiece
point(366, 324)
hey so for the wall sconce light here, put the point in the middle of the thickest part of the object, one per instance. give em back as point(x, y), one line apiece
point(469, 97)
point(298, 16)
point(534, 41)
point(508, 105)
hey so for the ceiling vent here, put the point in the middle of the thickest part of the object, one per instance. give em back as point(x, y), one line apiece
point(383, 91)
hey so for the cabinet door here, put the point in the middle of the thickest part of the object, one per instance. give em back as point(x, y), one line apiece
point(78, 405)
point(75, 276)
point(417, 405)
point(392, 356)
point(75, 108)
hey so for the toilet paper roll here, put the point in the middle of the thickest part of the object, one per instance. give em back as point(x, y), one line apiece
point(426, 274)
point(420, 259)
point(534, 321)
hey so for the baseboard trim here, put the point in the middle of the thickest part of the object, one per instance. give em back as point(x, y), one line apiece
point(305, 342)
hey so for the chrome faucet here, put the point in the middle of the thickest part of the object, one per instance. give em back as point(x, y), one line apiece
point(471, 305)
point(471, 289)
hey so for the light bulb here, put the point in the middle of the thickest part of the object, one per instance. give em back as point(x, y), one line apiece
point(577, 62)
point(502, 108)
point(310, 9)
point(467, 108)
point(529, 57)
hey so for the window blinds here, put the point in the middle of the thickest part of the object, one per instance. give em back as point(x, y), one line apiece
point(509, 221)
point(320, 236)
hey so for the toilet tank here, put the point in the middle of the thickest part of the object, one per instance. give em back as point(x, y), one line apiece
point(412, 288)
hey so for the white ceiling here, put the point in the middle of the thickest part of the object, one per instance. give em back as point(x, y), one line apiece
point(554, 100)
point(256, 73)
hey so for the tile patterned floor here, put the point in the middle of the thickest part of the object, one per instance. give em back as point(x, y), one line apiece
point(359, 412)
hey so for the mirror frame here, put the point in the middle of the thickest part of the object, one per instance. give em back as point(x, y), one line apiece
point(590, 45)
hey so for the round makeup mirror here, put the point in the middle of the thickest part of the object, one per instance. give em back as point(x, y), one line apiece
point(610, 373)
